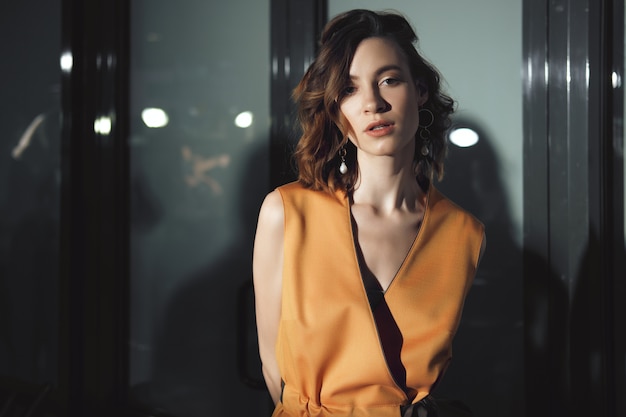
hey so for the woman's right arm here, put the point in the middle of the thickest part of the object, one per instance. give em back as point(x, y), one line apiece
point(267, 269)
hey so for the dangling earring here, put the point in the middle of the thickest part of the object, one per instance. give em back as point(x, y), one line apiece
point(425, 133)
point(343, 168)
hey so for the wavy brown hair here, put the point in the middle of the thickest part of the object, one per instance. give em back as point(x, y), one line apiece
point(319, 93)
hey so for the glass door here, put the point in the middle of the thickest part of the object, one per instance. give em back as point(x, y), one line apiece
point(30, 188)
point(200, 105)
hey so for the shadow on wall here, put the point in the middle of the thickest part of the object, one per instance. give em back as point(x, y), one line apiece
point(195, 367)
point(528, 338)
point(487, 371)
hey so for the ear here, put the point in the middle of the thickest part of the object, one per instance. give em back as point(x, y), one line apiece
point(422, 93)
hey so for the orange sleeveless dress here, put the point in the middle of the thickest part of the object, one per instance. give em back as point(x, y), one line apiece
point(328, 348)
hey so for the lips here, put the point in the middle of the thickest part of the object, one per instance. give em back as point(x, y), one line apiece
point(379, 128)
point(377, 125)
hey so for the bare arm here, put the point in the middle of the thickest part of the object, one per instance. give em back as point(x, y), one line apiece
point(267, 269)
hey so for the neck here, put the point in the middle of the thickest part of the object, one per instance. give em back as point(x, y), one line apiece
point(387, 184)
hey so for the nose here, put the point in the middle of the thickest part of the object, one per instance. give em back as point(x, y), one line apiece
point(373, 102)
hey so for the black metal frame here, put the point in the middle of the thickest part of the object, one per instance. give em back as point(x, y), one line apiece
point(616, 210)
point(94, 207)
point(573, 193)
point(296, 26)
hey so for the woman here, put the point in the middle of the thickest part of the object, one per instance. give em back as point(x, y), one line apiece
point(361, 267)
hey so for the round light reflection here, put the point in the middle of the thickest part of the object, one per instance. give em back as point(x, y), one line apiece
point(102, 125)
point(616, 79)
point(464, 137)
point(67, 62)
point(154, 117)
point(244, 119)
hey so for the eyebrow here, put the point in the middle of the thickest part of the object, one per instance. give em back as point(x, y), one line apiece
point(381, 70)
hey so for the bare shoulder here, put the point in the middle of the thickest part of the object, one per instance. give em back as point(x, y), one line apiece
point(272, 212)
point(268, 242)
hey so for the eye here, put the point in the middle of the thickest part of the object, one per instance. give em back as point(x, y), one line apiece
point(349, 90)
point(390, 81)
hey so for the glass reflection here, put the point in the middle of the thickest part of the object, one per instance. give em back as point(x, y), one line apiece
point(155, 118)
point(67, 62)
point(199, 162)
point(30, 182)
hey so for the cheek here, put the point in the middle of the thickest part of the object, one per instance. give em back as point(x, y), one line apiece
point(414, 116)
point(347, 120)
point(414, 127)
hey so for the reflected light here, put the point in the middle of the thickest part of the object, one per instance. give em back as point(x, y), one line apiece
point(67, 61)
point(244, 119)
point(463, 137)
point(154, 117)
point(616, 79)
point(102, 125)
point(287, 66)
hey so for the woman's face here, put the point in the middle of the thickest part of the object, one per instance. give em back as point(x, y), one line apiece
point(382, 101)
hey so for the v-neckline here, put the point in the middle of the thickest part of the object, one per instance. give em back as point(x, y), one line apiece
point(356, 246)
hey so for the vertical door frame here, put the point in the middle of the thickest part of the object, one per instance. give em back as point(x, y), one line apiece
point(573, 205)
point(95, 208)
point(296, 27)
point(617, 209)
